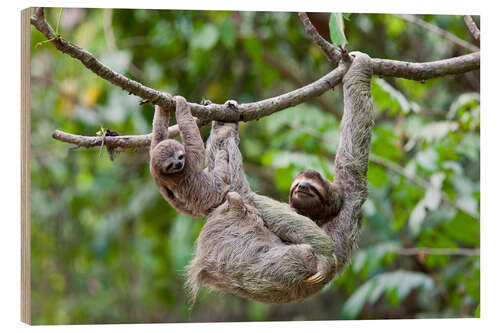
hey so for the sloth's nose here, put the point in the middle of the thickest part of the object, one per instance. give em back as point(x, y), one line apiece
point(178, 165)
point(303, 186)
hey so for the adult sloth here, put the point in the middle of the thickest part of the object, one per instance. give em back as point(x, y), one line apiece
point(261, 249)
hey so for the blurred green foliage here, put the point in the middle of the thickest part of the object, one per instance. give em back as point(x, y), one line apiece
point(106, 248)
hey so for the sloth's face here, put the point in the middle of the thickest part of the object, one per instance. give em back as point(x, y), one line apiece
point(174, 163)
point(169, 157)
point(308, 194)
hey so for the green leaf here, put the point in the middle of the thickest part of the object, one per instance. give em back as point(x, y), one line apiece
point(396, 284)
point(394, 25)
point(254, 47)
point(428, 159)
point(437, 130)
point(180, 240)
point(227, 33)
point(466, 110)
point(257, 311)
point(337, 30)
point(206, 38)
point(430, 202)
point(477, 314)
point(463, 102)
point(355, 303)
point(388, 97)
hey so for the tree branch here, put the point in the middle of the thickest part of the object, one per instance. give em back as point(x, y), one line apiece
point(111, 142)
point(433, 28)
point(426, 70)
point(332, 54)
point(473, 29)
point(222, 112)
point(256, 110)
point(437, 251)
point(123, 141)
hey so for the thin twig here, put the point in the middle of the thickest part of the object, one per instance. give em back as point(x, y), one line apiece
point(435, 29)
point(332, 54)
point(472, 27)
point(437, 251)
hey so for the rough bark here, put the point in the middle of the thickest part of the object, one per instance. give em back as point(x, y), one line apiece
point(473, 29)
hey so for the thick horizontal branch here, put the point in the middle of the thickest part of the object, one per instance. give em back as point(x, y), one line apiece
point(437, 251)
point(437, 30)
point(111, 142)
point(426, 70)
point(124, 141)
point(256, 110)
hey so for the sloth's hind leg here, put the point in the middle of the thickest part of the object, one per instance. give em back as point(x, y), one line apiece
point(225, 136)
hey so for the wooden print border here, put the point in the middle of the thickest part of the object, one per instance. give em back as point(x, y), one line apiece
point(25, 167)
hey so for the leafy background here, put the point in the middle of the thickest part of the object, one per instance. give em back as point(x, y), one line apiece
point(106, 248)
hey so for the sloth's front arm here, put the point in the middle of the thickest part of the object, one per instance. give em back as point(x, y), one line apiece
point(190, 134)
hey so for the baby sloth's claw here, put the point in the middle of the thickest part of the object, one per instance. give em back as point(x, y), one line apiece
point(316, 278)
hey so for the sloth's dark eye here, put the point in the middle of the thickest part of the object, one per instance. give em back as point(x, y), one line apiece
point(169, 166)
point(181, 156)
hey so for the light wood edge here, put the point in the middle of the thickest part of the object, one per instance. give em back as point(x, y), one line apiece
point(25, 167)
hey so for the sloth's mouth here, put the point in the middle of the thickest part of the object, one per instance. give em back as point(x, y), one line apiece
point(302, 192)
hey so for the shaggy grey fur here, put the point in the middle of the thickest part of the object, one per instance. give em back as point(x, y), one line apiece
point(225, 137)
point(177, 168)
point(237, 253)
point(351, 161)
point(258, 248)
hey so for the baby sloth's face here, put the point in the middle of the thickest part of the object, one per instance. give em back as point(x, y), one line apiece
point(309, 195)
point(169, 157)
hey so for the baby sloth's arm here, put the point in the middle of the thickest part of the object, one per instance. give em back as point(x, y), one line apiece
point(298, 229)
point(291, 226)
point(190, 134)
point(225, 137)
point(221, 174)
point(160, 126)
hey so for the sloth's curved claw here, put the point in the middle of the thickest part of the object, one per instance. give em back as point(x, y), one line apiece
point(316, 278)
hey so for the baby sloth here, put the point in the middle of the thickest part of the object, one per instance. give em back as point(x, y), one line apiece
point(314, 196)
point(177, 168)
point(237, 252)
